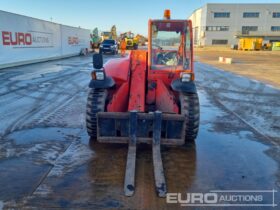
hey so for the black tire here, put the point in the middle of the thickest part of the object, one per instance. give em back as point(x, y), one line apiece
point(189, 104)
point(95, 103)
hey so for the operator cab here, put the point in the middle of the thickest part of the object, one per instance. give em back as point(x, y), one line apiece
point(170, 45)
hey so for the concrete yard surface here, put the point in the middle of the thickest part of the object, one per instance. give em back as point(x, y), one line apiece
point(260, 65)
point(47, 160)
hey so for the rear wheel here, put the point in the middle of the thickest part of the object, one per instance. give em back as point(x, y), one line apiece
point(190, 109)
point(95, 103)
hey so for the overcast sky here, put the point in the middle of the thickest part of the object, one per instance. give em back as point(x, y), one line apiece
point(126, 14)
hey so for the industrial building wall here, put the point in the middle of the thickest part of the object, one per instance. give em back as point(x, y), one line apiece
point(27, 40)
point(198, 19)
point(235, 22)
point(196, 24)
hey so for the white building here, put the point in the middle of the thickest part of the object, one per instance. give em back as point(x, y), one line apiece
point(224, 24)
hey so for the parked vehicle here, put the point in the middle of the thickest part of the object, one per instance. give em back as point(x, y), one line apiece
point(109, 46)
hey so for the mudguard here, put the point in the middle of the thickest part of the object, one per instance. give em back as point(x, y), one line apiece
point(98, 84)
point(186, 87)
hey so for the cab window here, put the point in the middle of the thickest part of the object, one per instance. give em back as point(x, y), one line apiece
point(170, 46)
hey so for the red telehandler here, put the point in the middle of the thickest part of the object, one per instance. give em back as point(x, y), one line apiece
point(147, 97)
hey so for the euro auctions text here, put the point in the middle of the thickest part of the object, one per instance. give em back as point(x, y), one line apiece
point(25, 39)
point(224, 198)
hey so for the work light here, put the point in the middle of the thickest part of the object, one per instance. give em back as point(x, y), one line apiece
point(98, 75)
point(185, 77)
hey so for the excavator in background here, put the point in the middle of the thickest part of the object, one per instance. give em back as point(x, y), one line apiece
point(114, 33)
point(141, 39)
point(95, 39)
point(147, 97)
point(109, 34)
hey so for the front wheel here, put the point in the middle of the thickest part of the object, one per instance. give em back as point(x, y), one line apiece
point(95, 103)
point(189, 103)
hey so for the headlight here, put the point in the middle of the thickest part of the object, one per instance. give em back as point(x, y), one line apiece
point(186, 77)
point(98, 75)
point(101, 46)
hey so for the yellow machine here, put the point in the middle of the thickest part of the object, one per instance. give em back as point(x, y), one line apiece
point(276, 46)
point(131, 40)
point(250, 43)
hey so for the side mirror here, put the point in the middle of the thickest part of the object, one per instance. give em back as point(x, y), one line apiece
point(97, 61)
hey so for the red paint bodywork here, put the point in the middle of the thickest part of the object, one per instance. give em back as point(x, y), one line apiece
point(138, 87)
point(118, 69)
point(119, 99)
point(138, 80)
point(165, 99)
